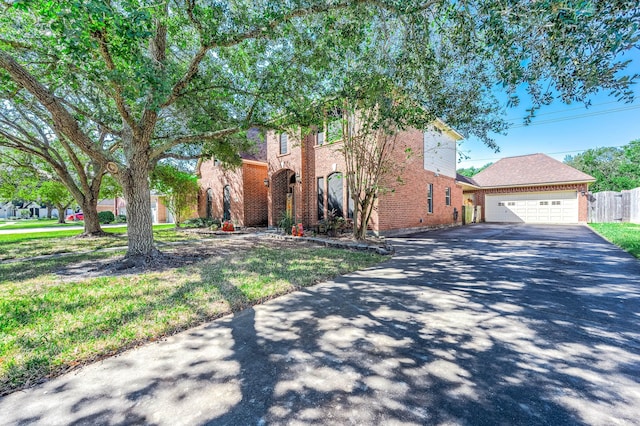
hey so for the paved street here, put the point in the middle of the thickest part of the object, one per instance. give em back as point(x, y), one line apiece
point(481, 325)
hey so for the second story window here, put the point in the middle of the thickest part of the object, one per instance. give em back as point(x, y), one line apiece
point(283, 143)
point(334, 130)
point(320, 138)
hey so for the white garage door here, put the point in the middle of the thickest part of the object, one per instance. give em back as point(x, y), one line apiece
point(541, 207)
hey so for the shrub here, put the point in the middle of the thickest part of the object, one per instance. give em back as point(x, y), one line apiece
point(25, 213)
point(106, 217)
point(201, 222)
point(286, 222)
point(121, 218)
point(332, 224)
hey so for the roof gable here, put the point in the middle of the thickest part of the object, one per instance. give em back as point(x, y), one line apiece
point(534, 169)
point(466, 180)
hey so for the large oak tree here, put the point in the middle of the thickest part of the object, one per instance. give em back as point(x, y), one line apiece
point(132, 82)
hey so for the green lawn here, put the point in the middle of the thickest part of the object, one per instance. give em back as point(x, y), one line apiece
point(18, 246)
point(38, 223)
point(624, 235)
point(49, 324)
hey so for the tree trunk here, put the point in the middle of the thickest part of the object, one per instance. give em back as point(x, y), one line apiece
point(135, 184)
point(62, 209)
point(91, 221)
point(89, 206)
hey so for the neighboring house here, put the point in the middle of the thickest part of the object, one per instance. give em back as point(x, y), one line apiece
point(118, 206)
point(305, 178)
point(529, 189)
point(239, 193)
point(7, 210)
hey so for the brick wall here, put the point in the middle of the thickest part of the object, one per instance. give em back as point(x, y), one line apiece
point(280, 167)
point(326, 160)
point(216, 178)
point(255, 194)
point(406, 206)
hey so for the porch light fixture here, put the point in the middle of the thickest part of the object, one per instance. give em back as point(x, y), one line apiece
point(298, 178)
point(266, 182)
point(583, 193)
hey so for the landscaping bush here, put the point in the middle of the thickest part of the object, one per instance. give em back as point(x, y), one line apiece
point(285, 223)
point(201, 222)
point(121, 218)
point(106, 217)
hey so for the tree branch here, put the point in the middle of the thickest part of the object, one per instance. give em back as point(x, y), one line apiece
point(179, 156)
point(90, 116)
point(123, 109)
point(207, 136)
point(254, 33)
point(63, 121)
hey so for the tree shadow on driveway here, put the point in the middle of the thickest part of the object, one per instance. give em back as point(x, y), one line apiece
point(511, 325)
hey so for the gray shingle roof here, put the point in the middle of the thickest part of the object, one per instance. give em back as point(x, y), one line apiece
point(467, 180)
point(259, 151)
point(534, 169)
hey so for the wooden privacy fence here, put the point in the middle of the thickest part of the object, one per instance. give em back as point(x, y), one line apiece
point(610, 206)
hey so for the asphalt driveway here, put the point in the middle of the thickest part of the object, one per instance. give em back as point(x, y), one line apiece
point(486, 324)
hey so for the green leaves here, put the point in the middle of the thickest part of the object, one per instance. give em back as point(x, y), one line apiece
point(615, 169)
point(179, 188)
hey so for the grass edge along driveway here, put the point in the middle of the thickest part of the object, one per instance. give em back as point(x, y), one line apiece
point(624, 235)
point(49, 325)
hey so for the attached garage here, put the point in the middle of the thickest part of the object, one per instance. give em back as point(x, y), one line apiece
point(542, 207)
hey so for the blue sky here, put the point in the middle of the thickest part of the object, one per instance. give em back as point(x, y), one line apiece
point(560, 130)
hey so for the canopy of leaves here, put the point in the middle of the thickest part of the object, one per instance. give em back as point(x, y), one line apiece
point(26, 178)
point(472, 171)
point(615, 169)
point(207, 67)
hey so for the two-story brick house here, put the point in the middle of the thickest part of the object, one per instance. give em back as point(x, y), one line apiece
point(305, 179)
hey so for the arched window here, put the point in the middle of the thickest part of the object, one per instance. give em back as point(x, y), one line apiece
point(209, 203)
point(226, 207)
point(335, 193)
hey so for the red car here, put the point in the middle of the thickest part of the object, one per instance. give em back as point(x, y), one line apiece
point(76, 216)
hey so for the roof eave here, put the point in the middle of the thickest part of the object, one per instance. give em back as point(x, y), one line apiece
point(254, 162)
point(448, 129)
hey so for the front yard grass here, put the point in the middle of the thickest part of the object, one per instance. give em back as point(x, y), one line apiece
point(624, 235)
point(20, 246)
point(51, 323)
point(39, 223)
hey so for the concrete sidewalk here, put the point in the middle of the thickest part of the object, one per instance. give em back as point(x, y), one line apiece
point(475, 325)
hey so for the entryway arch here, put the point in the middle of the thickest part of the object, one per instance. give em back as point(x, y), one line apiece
point(283, 194)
